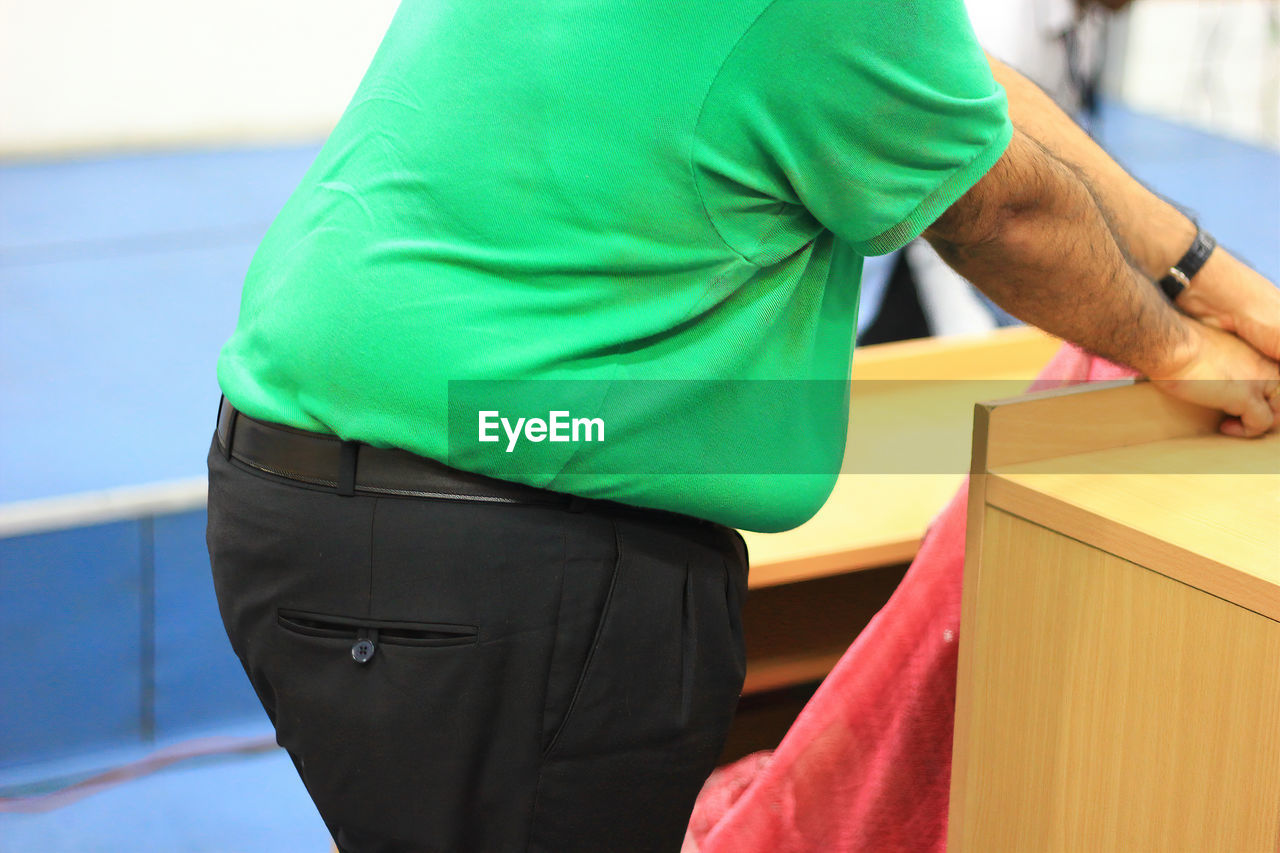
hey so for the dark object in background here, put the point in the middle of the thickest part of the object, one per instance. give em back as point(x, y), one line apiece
point(901, 317)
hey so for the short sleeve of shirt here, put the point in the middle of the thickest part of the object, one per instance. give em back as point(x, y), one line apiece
point(867, 118)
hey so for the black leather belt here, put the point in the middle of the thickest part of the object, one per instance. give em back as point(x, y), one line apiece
point(351, 467)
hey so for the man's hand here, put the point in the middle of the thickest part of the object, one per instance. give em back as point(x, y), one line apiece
point(1191, 361)
point(1230, 296)
point(1218, 370)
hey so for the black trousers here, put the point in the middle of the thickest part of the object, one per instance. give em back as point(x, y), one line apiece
point(454, 675)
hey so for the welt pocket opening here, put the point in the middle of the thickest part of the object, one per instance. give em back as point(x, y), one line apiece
point(391, 632)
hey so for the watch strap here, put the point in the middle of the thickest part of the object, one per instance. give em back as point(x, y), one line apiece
point(1180, 274)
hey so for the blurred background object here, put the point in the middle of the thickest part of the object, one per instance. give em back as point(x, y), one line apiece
point(1209, 64)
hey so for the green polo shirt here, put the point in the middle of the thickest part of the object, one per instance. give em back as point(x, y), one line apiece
point(613, 248)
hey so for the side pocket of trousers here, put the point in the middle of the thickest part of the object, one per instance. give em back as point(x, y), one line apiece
point(735, 591)
point(582, 614)
point(653, 705)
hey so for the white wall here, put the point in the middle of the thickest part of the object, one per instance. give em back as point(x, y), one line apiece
point(89, 75)
point(1211, 63)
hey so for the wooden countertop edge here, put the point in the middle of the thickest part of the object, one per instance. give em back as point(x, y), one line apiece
point(1020, 351)
point(789, 670)
point(893, 552)
point(1195, 570)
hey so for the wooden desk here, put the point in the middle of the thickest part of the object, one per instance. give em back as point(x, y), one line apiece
point(1119, 680)
point(813, 588)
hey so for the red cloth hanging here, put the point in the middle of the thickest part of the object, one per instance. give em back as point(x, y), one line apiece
point(866, 767)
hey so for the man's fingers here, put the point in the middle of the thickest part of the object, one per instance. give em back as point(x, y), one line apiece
point(1256, 408)
point(1257, 417)
point(1253, 408)
point(1229, 375)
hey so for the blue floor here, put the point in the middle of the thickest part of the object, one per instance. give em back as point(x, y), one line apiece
point(246, 803)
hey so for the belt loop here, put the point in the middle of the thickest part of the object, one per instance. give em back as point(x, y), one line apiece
point(227, 413)
point(347, 468)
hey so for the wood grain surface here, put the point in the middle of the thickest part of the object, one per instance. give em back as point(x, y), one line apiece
point(1112, 708)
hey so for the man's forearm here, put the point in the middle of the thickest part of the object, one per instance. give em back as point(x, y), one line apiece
point(1153, 232)
point(1226, 293)
point(1041, 234)
point(1031, 236)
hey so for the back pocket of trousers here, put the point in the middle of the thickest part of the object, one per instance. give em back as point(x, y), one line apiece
point(390, 632)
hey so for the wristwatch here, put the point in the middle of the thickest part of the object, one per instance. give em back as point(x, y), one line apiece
point(1179, 275)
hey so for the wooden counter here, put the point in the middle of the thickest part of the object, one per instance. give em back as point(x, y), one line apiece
point(1119, 680)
